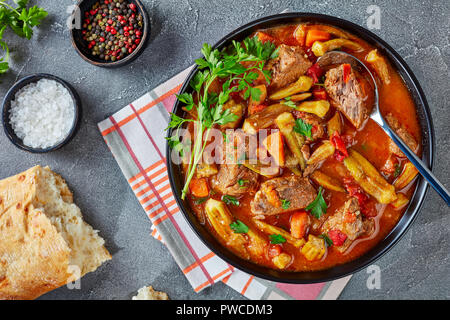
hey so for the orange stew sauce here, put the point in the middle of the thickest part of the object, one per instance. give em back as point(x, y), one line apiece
point(370, 141)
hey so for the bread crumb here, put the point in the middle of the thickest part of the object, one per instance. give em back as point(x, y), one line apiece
point(148, 293)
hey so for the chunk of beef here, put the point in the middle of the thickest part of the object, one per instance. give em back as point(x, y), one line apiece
point(349, 221)
point(290, 64)
point(403, 134)
point(348, 97)
point(311, 168)
point(235, 180)
point(269, 198)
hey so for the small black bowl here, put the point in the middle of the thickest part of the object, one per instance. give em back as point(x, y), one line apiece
point(10, 95)
point(81, 46)
point(423, 111)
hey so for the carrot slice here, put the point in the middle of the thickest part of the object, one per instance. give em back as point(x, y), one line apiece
point(316, 35)
point(274, 144)
point(199, 187)
point(263, 37)
point(299, 224)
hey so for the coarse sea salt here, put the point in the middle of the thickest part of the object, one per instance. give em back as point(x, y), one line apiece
point(42, 113)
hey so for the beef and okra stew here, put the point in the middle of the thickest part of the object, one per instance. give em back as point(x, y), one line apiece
point(281, 161)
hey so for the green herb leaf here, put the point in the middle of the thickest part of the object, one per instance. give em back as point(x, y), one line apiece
point(21, 20)
point(225, 137)
point(277, 239)
point(175, 144)
point(327, 239)
point(318, 207)
point(230, 200)
point(398, 170)
point(288, 102)
point(176, 121)
point(285, 204)
point(200, 200)
point(239, 227)
point(187, 99)
point(263, 51)
point(242, 182)
point(303, 128)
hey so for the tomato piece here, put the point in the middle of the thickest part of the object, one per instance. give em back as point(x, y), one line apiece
point(367, 207)
point(319, 93)
point(341, 150)
point(315, 72)
point(347, 69)
point(369, 210)
point(274, 250)
point(338, 237)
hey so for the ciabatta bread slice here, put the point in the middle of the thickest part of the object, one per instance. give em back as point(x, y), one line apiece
point(44, 242)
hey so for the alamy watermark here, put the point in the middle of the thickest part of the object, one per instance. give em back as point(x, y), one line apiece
point(374, 279)
point(374, 20)
point(74, 281)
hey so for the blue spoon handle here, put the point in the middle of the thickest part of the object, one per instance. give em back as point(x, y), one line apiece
point(415, 160)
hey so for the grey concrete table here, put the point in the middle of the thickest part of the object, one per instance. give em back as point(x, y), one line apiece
point(418, 267)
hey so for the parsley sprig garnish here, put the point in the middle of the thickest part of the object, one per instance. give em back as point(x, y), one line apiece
point(21, 20)
point(318, 207)
point(226, 65)
point(303, 128)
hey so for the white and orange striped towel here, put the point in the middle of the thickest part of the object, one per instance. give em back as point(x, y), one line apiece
point(135, 136)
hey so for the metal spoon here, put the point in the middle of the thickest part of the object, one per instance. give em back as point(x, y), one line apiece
point(337, 57)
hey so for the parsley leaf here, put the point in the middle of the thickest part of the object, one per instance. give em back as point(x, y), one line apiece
point(318, 207)
point(187, 99)
point(277, 239)
point(398, 170)
point(176, 121)
point(230, 200)
point(242, 182)
point(225, 137)
point(21, 20)
point(288, 102)
point(303, 128)
point(285, 204)
point(327, 239)
point(264, 51)
point(239, 227)
point(200, 200)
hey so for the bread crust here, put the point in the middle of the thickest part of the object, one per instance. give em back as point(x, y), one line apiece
point(34, 257)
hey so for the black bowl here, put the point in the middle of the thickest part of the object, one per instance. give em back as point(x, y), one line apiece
point(176, 177)
point(81, 46)
point(10, 95)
